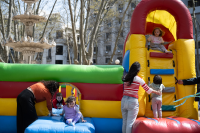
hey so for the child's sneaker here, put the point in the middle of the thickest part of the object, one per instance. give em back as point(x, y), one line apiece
point(72, 124)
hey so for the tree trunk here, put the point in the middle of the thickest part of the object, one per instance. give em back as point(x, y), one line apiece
point(46, 26)
point(2, 23)
point(82, 39)
point(48, 19)
point(9, 18)
point(87, 19)
point(68, 51)
point(74, 34)
point(196, 39)
point(116, 41)
point(90, 53)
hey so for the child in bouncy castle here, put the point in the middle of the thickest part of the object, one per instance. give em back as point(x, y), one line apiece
point(58, 103)
point(157, 99)
point(157, 42)
point(72, 112)
point(129, 102)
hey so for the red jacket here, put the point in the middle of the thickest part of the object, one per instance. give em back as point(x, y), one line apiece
point(56, 104)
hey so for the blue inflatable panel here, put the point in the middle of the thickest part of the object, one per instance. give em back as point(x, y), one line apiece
point(8, 124)
point(125, 62)
point(162, 71)
point(56, 124)
point(57, 111)
point(107, 125)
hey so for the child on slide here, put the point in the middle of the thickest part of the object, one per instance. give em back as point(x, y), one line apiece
point(71, 111)
point(156, 41)
point(157, 99)
point(58, 103)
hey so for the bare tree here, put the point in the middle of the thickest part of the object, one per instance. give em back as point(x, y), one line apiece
point(73, 21)
point(196, 38)
point(120, 29)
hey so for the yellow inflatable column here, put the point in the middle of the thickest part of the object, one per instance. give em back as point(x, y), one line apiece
point(68, 91)
point(186, 69)
point(138, 53)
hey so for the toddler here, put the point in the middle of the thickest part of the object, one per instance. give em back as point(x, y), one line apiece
point(71, 111)
point(156, 41)
point(157, 99)
point(58, 102)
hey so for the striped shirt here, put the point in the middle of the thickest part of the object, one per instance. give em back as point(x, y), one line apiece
point(132, 90)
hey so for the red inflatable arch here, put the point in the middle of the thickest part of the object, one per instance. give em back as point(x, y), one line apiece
point(174, 7)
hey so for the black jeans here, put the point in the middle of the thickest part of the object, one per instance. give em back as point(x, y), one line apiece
point(26, 113)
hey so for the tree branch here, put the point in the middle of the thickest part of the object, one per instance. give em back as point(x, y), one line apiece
point(111, 59)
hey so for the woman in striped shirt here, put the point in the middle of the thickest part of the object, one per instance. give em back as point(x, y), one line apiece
point(129, 102)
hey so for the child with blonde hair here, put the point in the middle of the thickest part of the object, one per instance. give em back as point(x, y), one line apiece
point(156, 41)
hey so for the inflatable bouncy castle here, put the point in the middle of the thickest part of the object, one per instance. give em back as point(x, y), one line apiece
point(173, 17)
point(99, 88)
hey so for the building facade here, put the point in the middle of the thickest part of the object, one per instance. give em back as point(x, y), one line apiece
point(108, 32)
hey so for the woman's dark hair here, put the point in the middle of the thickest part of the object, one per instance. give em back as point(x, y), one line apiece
point(161, 32)
point(59, 94)
point(135, 68)
point(157, 79)
point(51, 85)
point(70, 99)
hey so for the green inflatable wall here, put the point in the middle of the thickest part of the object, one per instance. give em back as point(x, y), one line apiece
point(106, 74)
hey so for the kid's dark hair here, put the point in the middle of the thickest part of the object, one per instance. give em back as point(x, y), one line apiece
point(59, 94)
point(161, 32)
point(135, 68)
point(51, 85)
point(157, 79)
point(70, 99)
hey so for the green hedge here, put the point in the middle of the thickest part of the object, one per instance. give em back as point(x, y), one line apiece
point(107, 74)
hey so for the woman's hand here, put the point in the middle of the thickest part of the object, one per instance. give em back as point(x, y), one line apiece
point(53, 114)
point(180, 82)
point(157, 92)
point(83, 120)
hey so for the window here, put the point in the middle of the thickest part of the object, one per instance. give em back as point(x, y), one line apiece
point(190, 3)
point(67, 56)
point(120, 47)
point(59, 34)
point(95, 49)
point(108, 35)
point(94, 61)
point(109, 24)
point(133, 5)
point(59, 50)
point(120, 59)
point(107, 60)
point(121, 34)
point(198, 45)
point(108, 48)
point(78, 56)
point(50, 36)
point(120, 20)
point(69, 36)
point(94, 15)
point(59, 61)
point(49, 53)
point(120, 7)
point(78, 38)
